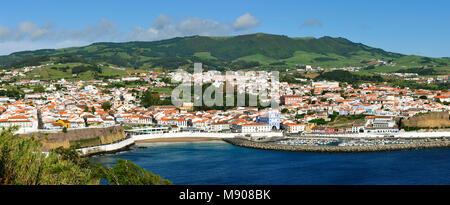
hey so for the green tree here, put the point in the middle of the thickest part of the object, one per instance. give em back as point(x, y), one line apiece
point(300, 116)
point(106, 105)
point(319, 121)
point(127, 173)
point(150, 98)
point(22, 162)
point(39, 89)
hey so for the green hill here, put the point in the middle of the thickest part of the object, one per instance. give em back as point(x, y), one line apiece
point(236, 52)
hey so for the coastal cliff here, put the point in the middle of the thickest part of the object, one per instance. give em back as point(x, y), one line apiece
point(80, 137)
point(337, 149)
point(429, 120)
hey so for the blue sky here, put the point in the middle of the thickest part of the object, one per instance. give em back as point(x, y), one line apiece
point(404, 26)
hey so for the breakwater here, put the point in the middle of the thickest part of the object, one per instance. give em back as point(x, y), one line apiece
point(337, 149)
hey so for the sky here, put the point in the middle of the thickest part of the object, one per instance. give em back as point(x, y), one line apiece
point(403, 26)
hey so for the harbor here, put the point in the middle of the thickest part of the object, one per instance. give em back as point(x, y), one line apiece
point(149, 135)
point(333, 143)
point(220, 163)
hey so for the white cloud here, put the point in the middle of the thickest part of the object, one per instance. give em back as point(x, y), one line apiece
point(164, 27)
point(105, 30)
point(245, 21)
point(162, 22)
point(5, 32)
point(311, 23)
point(15, 46)
point(30, 31)
point(29, 35)
point(205, 27)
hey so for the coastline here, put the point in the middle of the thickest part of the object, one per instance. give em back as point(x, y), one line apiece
point(336, 149)
point(233, 138)
point(127, 145)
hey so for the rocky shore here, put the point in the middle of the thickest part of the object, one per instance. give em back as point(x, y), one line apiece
point(337, 149)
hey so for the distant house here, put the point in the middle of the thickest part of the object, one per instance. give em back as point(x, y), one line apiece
point(145, 120)
point(380, 124)
point(53, 126)
point(219, 126)
point(345, 112)
point(290, 99)
point(94, 122)
point(318, 130)
point(442, 98)
point(64, 123)
point(294, 127)
point(77, 123)
point(254, 128)
point(4, 99)
point(200, 123)
point(325, 84)
point(108, 121)
point(178, 122)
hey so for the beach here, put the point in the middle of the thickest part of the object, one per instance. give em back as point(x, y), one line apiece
point(179, 139)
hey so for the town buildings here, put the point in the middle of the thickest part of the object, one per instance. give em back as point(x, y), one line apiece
point(310, 107)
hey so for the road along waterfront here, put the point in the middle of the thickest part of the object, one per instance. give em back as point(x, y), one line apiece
point(176, 136)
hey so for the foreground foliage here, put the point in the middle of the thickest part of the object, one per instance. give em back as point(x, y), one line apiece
point(23, 163)
point(127, 173)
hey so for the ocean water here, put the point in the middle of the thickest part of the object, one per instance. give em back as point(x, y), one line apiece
point(219, 163)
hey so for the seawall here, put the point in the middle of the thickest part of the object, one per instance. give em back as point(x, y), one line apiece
point(86, 136)
point(429, 120)
point(336, 149)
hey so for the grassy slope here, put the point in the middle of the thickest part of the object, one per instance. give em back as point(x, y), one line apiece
point(47, 73)
point(325, 52)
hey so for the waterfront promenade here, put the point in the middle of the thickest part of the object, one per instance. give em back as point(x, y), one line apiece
point(230, 138)
point(175, 136)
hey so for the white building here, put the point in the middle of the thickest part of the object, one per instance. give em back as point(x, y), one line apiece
point(294, 128)
point(254, 127)
point(325, 84)
point(220, 126)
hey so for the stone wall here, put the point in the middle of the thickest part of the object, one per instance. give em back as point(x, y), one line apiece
point(433, 119)
point(52, 140)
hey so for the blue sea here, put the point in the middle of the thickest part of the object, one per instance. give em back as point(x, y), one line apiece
point(219, 163)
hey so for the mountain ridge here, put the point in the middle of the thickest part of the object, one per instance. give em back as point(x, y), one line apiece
point(259, 48)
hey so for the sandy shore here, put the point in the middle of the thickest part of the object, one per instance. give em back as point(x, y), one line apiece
point(179, 139)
